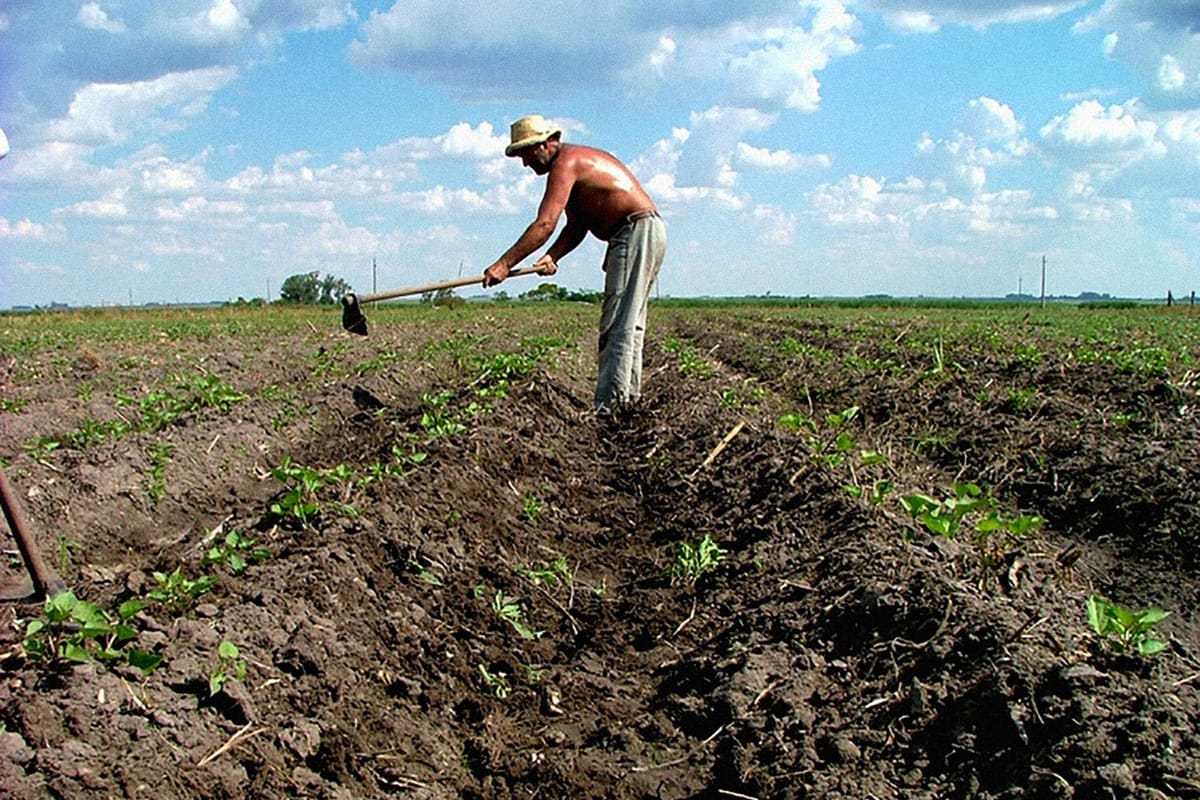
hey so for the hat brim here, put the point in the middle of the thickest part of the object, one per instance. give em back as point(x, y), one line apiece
point(530, 141)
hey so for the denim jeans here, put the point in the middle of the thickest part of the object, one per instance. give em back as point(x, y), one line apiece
point(631, 265)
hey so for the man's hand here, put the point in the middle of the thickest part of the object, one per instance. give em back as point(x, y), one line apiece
point(546, 265)
point(494, 275)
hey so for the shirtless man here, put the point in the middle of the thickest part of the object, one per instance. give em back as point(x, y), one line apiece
point(600, 196)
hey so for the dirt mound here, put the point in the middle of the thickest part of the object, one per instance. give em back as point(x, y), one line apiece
point(453, 582)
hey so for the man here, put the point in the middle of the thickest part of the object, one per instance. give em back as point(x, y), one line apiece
point(600, 196)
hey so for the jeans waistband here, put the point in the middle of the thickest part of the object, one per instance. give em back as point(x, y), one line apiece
point(629, 219)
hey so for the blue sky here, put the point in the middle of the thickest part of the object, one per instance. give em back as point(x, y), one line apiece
point(207, 149)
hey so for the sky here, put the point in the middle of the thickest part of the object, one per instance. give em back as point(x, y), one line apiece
point(204, 150)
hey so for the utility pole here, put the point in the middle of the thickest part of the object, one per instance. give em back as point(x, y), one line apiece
point(1018, 287)
point(1043, 281)
point(374, 275)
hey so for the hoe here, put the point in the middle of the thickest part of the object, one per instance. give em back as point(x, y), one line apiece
point(42, 581)
point(355, 321)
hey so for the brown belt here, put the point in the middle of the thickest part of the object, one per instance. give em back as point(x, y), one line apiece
point(629, 219)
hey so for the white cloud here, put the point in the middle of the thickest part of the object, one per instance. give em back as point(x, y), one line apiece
point(1159, 40)
point(111, 205)
point(929, 16)
point(1171, 77)
point(988, 134)
point(110, 113)
point(24, 229)
point(93, 17)
point(756, 158)
point(1114, 129)
point(765, 55)
point(777, 226)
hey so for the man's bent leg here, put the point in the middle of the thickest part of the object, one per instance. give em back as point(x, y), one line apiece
point(631, 266)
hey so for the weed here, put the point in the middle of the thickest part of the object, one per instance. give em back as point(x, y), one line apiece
point(556, 572)
point(1126, 630)
point(874, 494)
point(78, 631)
point(693, 560)
point(830, 449)
point(1019, 399)
point(230, 664)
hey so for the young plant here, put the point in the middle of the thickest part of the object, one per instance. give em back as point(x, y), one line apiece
point(553, 574)
point(510, 611)
point(496, 682)
point(1126, 630)
point(437, 418)
point(230, 664)
point(160, 457)
point(531, 507)
point(236, 553)
point(177, 591)
point(301, 502)
point(693, 560)
point(78, 631)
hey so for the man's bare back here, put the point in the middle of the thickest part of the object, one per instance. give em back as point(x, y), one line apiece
point(604, 190)
point(595, 191)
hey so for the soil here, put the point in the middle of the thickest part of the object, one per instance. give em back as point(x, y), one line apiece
point(837, 648)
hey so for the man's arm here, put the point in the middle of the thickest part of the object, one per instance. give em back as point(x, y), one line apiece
point(572, 235)
point(558, 190)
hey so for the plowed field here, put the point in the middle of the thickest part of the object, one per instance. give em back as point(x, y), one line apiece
point(839, 553)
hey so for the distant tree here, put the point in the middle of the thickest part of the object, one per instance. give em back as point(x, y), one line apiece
point(332, 289)
point(500, 296)
point(545, 291)
point(552, 291)
point(304, 288)
point(309, 288)
point(446, 298)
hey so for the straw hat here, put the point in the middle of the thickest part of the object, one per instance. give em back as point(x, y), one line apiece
point(530, 130)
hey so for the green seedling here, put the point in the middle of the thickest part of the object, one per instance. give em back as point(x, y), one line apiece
point(1126, 630)
point(77, 631)
point(496, 682)
point(424, 573)
point(691, 364)
point(437, 418)
point(230, 664)
point(693, 560)
point(945, 517)
point(830, 449)
point(177, 591)
point(555, 573)
point(160, 456)
point(509, 610)
point(301, 502)
point(236, 553)
point(1020, 399)
point(874, 494)
point(66, 548)
point(531, 508)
